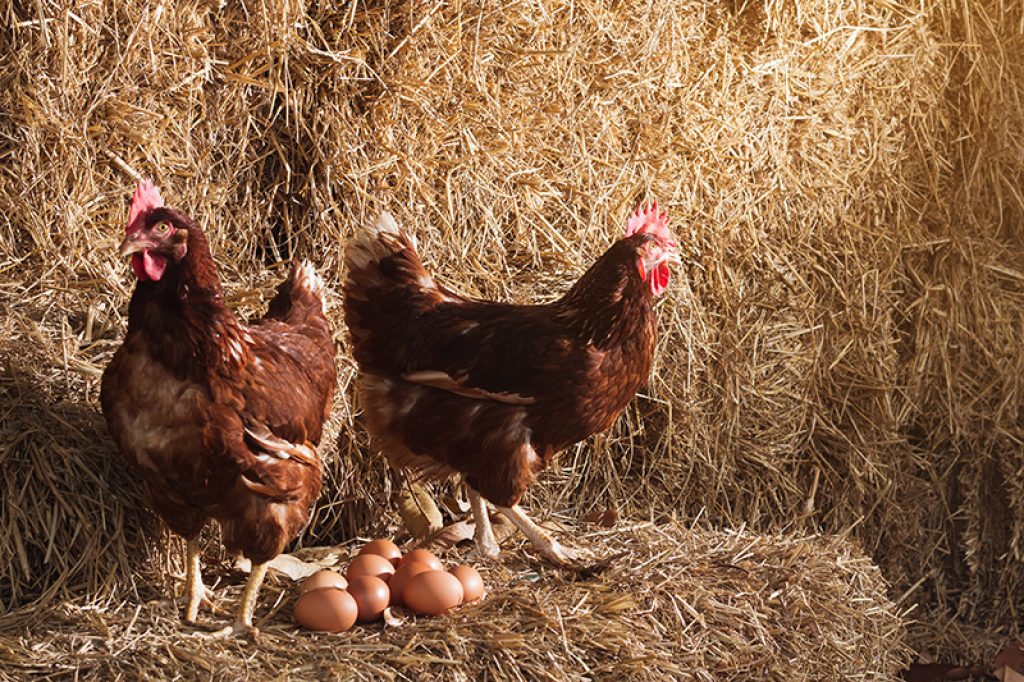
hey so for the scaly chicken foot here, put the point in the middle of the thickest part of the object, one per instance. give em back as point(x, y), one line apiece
point(196, 594)
point(547, 546)
point(243, 617)
point(483, 533)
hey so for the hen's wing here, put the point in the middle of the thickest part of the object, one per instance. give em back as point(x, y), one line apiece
point(403, 324)
point(508, 353)
point(275, 403)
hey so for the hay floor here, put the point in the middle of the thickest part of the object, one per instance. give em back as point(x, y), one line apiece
point(681, 603)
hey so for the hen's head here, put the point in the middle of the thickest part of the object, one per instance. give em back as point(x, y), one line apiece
point(153, 234)
point(655, 248)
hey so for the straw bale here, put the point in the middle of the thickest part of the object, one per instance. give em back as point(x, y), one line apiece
point(840, 354)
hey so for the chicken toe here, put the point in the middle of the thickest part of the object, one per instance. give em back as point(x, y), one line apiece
point(542, 541)
point(558, 554)
point(243, 617)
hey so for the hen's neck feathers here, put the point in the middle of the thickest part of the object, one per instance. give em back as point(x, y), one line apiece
point(184, 313)
point(610, 300)
point(196, 272)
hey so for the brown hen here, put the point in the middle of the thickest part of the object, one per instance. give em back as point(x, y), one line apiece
point(218, 419)
point(492, 391)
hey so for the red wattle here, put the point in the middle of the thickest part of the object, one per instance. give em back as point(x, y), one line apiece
point(148, 266)
point(659, 279)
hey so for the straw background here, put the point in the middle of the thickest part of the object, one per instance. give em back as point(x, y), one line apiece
point(841, 353)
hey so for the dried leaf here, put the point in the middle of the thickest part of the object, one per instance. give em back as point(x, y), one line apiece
point(294, 568)
point(449, 536)
point(304, 562)
point(418, 511)
point(1011, 657)
point(1008, 674)
point(605, 519)
point(326, 555)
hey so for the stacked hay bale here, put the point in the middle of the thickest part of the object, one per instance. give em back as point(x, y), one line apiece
point(839, 354)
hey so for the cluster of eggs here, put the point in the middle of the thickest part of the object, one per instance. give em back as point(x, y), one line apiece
point(380, 577)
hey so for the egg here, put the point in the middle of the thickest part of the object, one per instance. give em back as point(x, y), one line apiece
point(324, 578)
point(325, 609)
point(432, 593)
point(371, 595)
point(384, 548)
point(401, 577)
point(472, 583)
point(370, 564)
point(424, 557)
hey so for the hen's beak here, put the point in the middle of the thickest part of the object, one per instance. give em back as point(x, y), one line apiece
point(134, 243)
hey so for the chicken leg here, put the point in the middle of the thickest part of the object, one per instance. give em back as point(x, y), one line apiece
point(243, 617)
point(195, 591)
point(483, 534)
point(547, 546)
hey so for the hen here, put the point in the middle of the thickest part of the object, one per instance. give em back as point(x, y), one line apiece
point(219, 419)
point(492, 391)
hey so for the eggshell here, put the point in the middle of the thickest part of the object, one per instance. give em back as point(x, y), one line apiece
point(370, 564)
point(371, 595)
point(326, 609)
point(424, 557)
point(384, 548)
point(472, 583)
point(401, 578)
point(324, 578)
point(432, 593)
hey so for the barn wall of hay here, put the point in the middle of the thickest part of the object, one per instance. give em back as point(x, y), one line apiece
point(841, 352)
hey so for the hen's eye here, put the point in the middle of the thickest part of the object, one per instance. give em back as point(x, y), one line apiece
point(161, 228)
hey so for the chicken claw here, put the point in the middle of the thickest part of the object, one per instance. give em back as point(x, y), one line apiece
point(243, 618)
point(582, 563)
point(542, 541)
point(559, 555)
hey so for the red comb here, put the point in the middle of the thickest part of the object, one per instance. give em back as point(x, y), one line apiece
point(146, 198)
point(649, 221)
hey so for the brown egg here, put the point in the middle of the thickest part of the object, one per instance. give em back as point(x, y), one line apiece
point(324, 578)
point(384, 548)
point(401, 577)
point(424, 557)
point(371, 595)
point(472, 583)
point(370, 564)
point(326, 609)
point(432, 593)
